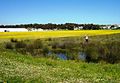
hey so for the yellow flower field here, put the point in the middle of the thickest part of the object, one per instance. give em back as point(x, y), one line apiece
point(50, 34)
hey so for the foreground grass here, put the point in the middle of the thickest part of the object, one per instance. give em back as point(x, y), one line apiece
point(15, 67)
point(50, 34)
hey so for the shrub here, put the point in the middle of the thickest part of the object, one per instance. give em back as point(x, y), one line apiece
point(103, 52)
point(52, 56)
point(37, 44)
point(22, 50)
point(9, 45)
point(37, 52)
point(69, 44)
point(45, 50)
point(49, 39)
point(20, 44)
point(61, 45)
point(92, 54)
point(113, 56)
point(29, 48)
point(13, 40)
point(54, 45)
point(57, 44)
point(64, 45)
point(72, 55)
point(37, 48)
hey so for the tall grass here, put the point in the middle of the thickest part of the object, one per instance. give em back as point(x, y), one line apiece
point(95, 51)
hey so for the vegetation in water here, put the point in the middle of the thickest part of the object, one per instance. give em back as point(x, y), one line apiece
point(94, 51)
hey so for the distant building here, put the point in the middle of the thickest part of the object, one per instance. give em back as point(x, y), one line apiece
point(39, 29)
point(106, 27)
point(13, 29)
point(19, 29)
point(119, 25)
point(78, 28)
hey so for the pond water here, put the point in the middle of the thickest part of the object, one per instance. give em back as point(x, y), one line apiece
point(82, 56)
point(63, 56)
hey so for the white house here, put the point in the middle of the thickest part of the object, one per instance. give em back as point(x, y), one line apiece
point(78, 28)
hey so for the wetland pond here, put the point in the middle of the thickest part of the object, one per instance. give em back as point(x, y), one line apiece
point(64, 56)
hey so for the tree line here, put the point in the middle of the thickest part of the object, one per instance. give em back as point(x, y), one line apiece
point(50, 26)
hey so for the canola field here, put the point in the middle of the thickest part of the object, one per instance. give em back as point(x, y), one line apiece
point(52, 34)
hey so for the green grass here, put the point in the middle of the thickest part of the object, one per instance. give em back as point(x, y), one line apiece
point(17, 68)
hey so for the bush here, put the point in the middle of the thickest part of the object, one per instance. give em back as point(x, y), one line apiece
point(45, 50)
point(64, 45)
point(34, 48)
point(37, 52)
point(103, 52)
point(108, 52)
point(37, 44)
point(13, 40)
point(22, 50)
point(9, 45)
point(69, 44)
point(52, 56)
point(54, 45)
point(91, 54)
point(113, 56)
point(20, 44)
point(49, 39)
point(72, 55)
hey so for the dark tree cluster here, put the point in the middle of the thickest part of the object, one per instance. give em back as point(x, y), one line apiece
point(50, 26)
point(91, 27)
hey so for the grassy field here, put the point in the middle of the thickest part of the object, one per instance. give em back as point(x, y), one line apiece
point(50, 34)
point(20, 68)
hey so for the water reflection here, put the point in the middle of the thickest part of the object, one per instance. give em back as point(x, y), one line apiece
point(82, 56)
point(63, 56)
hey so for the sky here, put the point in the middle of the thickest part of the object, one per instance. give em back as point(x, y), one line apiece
point(59, 11)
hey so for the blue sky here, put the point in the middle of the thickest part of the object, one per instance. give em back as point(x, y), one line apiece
point(59, 11)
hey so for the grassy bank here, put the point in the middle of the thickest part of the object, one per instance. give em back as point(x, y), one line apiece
point(17, 68)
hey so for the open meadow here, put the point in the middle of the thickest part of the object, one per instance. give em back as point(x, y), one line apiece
point(55, 57)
